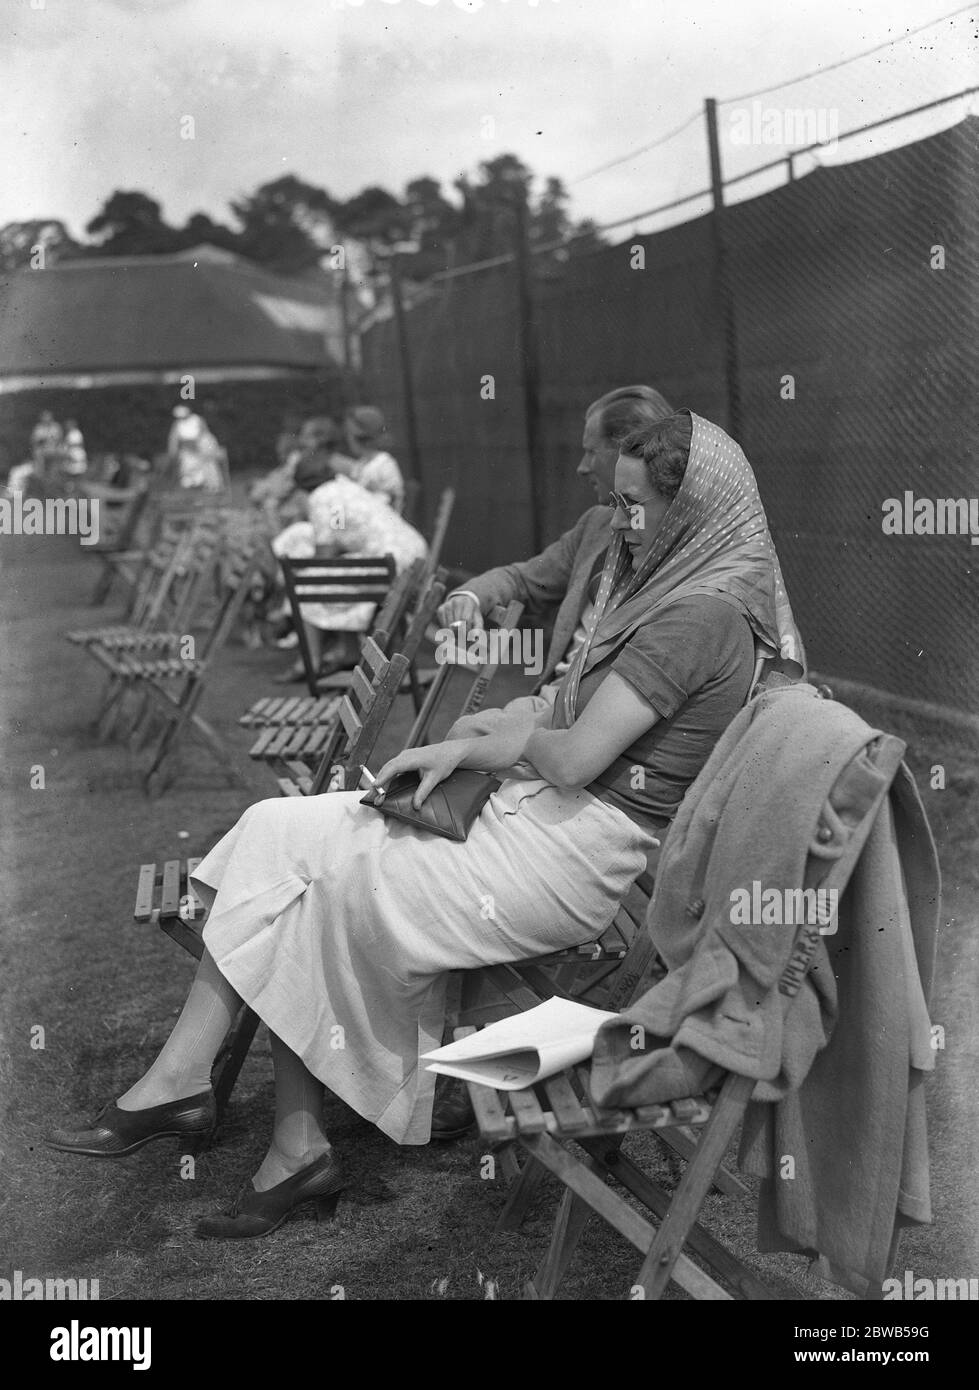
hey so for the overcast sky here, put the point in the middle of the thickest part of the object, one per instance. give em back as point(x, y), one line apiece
point(349, 92)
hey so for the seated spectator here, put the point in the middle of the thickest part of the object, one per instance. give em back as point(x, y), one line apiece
point(73, 450)
point(196, 453)
point(325, 937)
point(344, 519)
point(371, 465)
point(46, 440)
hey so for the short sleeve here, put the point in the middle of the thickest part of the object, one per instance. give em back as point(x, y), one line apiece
point(687, 645)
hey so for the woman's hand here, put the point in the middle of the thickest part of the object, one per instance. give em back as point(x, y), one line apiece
point(434, 762)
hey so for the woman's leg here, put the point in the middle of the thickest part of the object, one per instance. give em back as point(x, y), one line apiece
point(183, 1067)
point(298, 1138)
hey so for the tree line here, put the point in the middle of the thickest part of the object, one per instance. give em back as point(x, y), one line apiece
point(289, 225)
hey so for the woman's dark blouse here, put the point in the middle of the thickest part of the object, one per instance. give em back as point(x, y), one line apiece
point(693, 663)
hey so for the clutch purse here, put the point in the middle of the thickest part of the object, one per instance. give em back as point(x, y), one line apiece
point(449, 810)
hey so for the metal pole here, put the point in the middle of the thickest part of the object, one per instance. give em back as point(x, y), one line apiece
point(725, 295)
point(407, 385)
point(531, 370)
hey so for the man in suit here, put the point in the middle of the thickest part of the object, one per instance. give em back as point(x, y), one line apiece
point(564, 575)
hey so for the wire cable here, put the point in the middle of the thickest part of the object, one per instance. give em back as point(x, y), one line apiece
point(854, 58)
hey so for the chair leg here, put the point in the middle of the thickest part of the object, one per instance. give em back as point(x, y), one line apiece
point(572, 1215)
point(697, 1180)
point(233, 1052)
point(521, 1194)
point(106, 718)
point(104, 583)
point(177, 715)
point(417, 694)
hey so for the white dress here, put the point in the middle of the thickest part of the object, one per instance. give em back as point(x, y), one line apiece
point(337, 926)
point(346, 519)
point(381, 474)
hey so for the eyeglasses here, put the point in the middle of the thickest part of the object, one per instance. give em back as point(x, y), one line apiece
point(617, 500)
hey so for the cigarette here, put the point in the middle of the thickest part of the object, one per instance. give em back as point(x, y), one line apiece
point(367, 778)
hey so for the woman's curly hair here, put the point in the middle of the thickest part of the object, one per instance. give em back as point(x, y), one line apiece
point(665, 449)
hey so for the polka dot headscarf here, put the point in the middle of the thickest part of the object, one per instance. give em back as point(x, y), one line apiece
point(714, 540)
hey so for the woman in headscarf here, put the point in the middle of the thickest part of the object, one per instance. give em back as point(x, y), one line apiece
point(344, 951)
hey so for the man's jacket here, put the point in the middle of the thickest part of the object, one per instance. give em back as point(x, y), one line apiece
point(558, 575)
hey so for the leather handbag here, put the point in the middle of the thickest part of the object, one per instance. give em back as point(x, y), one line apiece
point(449, 810)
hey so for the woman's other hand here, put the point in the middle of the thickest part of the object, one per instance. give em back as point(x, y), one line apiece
point(434, 762)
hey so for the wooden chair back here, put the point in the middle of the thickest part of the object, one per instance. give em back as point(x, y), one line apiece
point(365, 682)
point(443, 515)
point(506, 619)
point(336, 580)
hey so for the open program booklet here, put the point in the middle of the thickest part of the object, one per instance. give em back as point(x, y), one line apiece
point(518, 1051)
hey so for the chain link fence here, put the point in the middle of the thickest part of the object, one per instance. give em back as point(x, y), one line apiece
point(841, 322)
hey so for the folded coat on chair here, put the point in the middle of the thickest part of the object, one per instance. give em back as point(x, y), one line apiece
point(799, 793)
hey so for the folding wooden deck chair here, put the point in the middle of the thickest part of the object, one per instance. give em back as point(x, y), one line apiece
point(164, 519)
point(296, 710)
point(171, 597)
point(167, 613)
point(175, 682)
point(545, 1121)
point(327, 772)
point(440, 526)
point(341, 579)
point(165, 895)
point(120, 539)
point(297, 748)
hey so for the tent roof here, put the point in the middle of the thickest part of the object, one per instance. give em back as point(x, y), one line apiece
point(198, 310)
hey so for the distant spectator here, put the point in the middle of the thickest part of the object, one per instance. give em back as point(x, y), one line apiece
point(374, 468)
point(287, 440)
point(276, 492)
point(73, 450)
point(46, 440)
point(344, 519)
point(194, 450)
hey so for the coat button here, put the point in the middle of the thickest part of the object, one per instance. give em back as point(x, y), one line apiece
point(824, 834)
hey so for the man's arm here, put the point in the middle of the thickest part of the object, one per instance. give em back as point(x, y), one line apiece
point(537, 583)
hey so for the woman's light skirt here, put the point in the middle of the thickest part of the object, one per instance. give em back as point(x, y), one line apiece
point(338, 925)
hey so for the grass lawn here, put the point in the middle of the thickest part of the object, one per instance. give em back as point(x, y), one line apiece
point(418, 1222)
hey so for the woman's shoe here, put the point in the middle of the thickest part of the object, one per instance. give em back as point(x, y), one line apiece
point(116, 1132)
point(295, 673)
point(260, 1213)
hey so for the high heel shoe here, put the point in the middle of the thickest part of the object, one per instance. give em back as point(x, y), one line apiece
point(116, 1132)
point(260, 1213)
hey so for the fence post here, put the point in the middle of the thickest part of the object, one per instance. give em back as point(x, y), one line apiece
point(722, 278)
point(531, 368)
point(407, 385)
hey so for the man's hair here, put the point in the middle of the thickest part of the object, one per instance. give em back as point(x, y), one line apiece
point(665, 450)
point(627, 409)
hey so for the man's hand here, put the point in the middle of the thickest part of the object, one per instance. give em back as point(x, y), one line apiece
point(434, 762)
point(460, 608)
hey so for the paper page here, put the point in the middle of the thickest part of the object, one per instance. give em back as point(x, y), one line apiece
point(518, 1051)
